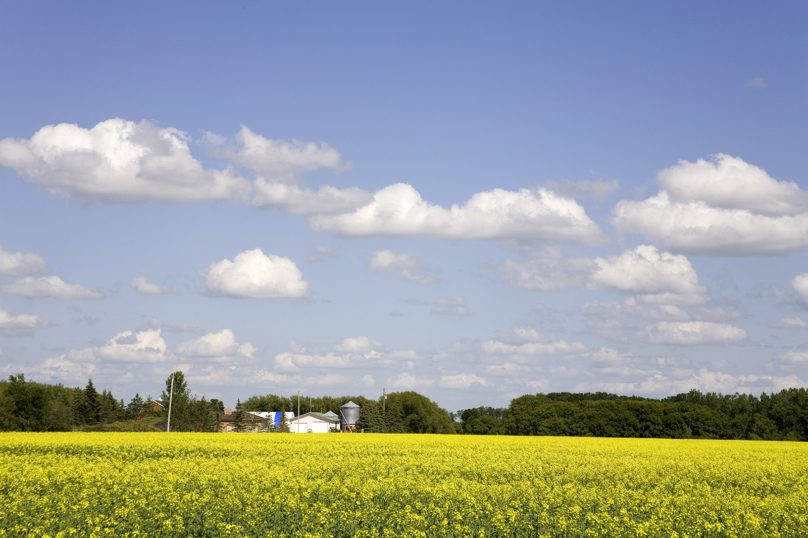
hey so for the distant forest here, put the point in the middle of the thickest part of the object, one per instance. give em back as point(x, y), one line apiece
point(30, 406)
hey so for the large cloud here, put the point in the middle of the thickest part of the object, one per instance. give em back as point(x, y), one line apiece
point(402, 265)
point(17, 325)
point(723, 207)
point(50, 286)
point(255, 274)
point(398, 210)
point(118, 161)
point(21, 264)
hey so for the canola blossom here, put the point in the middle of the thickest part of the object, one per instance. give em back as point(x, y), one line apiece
point(340, 485)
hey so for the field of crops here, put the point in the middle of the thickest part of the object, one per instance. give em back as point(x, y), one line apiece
point(138, 484)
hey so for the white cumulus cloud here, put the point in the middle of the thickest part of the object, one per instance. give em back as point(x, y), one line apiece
point(140, 347)
point(142, 285)
point(21, 264)
point(659, 277)
point(221, 346)
point(118, 161)
point(399, 210)
point(255, 274)
point(402, 265)
point(50, 286)
point(656, 277)
point(722, 207)
point(279, 161)
point(16, 325)
point(800, 285)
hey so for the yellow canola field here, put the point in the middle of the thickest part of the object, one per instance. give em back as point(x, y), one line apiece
point(121, 484)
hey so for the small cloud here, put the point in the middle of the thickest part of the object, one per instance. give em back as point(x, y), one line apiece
point(86, 320)
point(593, 189)
point(792, 323)
point(756, 83)
point(165, 326)
point(368, 381)
point(451, 306)
point(255, 274)
point(320, 254)
point(142, 285)
point(51, 286)
point(396, 313)
point(402, 265)
point(462, 381)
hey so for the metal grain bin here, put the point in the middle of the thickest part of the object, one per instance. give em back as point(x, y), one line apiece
point(350, 414)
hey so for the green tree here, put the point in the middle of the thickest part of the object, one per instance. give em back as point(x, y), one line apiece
point(135, 407)
point(238, 418)
point(87, 409)
point(180, 408)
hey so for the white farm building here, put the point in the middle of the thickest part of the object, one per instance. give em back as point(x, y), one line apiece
point(314, 423)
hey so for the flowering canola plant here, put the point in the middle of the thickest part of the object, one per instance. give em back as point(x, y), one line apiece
point(285, 485)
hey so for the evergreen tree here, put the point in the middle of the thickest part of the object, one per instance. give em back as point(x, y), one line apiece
point(107, 408)
point(135, 407)
point(90, 404)
point(238, 418)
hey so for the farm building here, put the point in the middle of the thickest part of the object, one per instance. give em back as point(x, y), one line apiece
point(314, 423)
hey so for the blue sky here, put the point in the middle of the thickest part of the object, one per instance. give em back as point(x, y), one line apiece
point(471, 200)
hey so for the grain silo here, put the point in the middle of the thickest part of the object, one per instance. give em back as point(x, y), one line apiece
point(350, 416)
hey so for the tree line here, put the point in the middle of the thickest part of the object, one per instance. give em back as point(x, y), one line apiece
point(29, 406)
point(697, 415)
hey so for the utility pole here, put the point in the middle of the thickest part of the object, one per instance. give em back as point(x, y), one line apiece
point(170, 399)
point(384, 403)
point(298, 411)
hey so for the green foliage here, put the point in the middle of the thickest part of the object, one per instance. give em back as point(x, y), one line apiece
point(420, 414)
point(238, 418)
point(135, 407)
point(689, 415)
